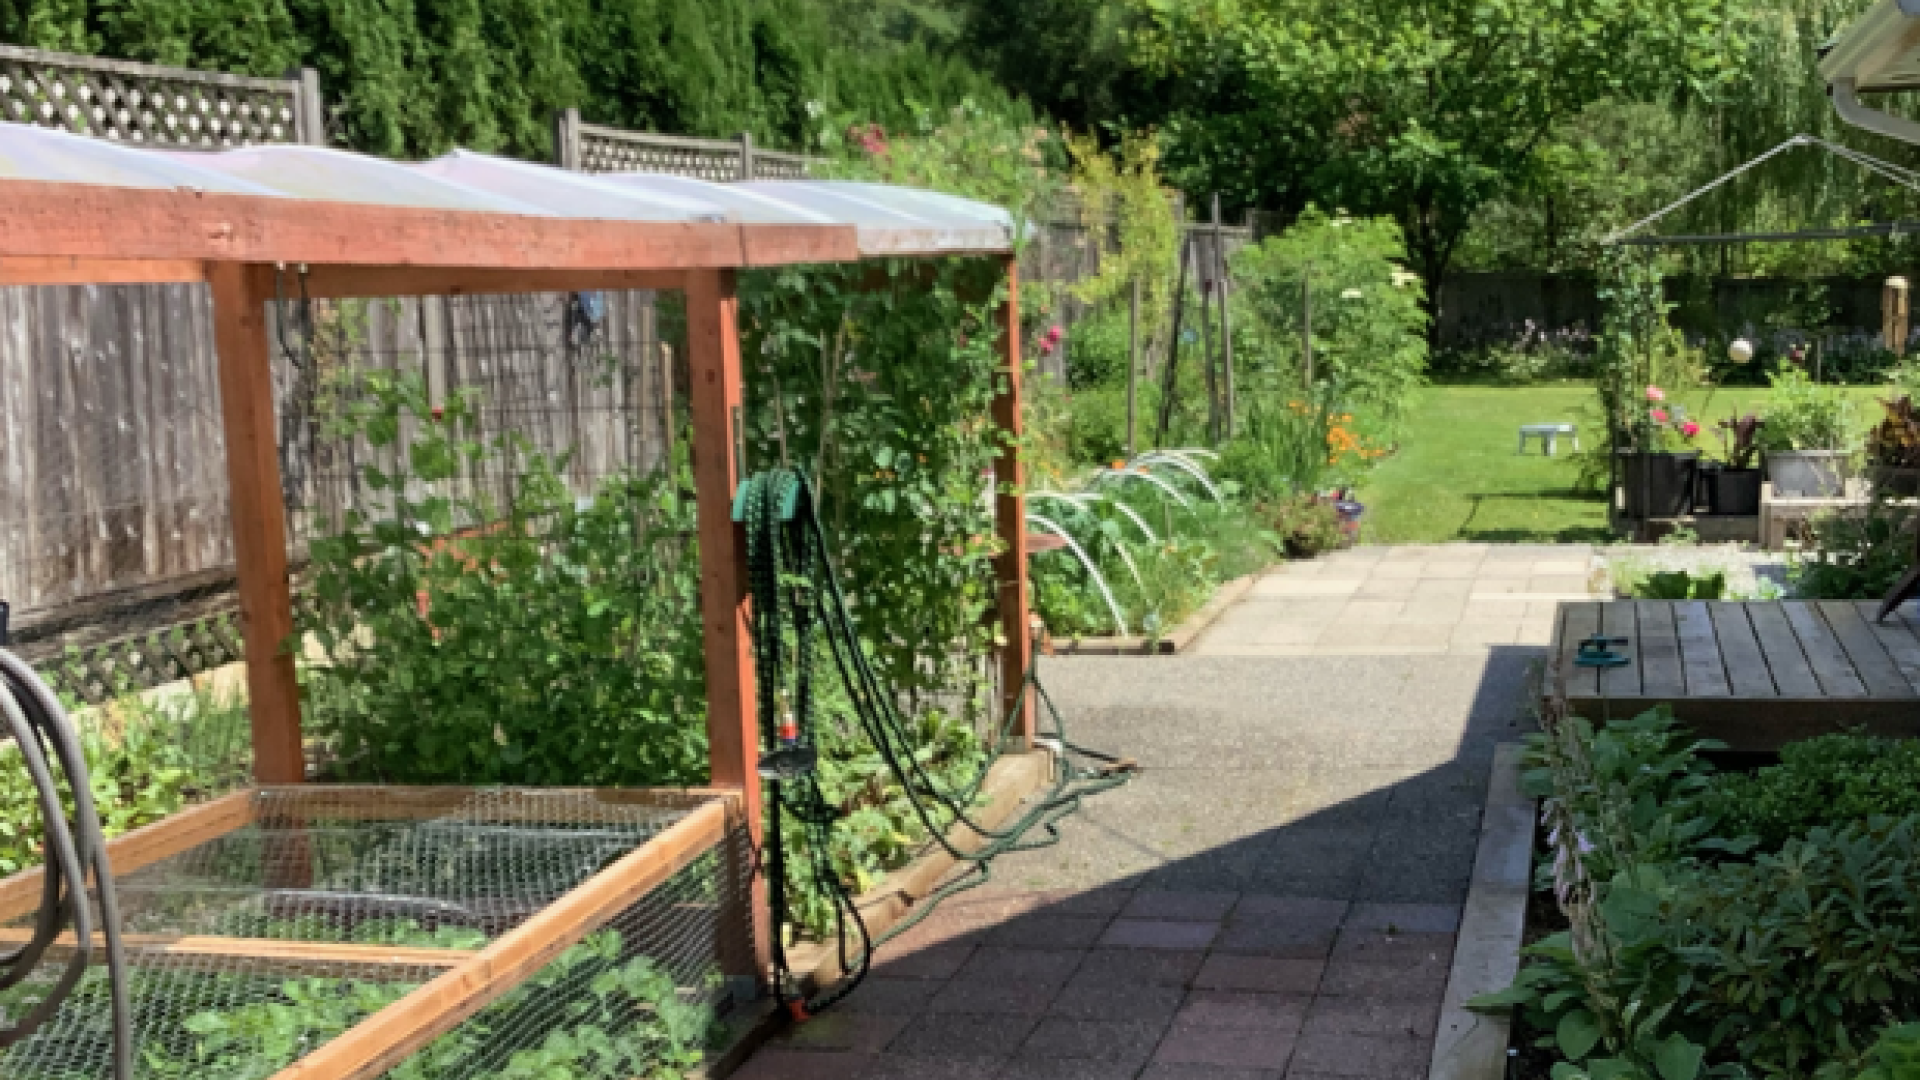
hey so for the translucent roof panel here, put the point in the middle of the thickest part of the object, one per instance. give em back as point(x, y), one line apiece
point(898, 220)
point(744, 204)
point(51, 156)
point(311, 172)
point(570, 194)
point(886, 220)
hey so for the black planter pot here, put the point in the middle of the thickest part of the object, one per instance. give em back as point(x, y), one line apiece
point(1658, 485)
point(1730, 492)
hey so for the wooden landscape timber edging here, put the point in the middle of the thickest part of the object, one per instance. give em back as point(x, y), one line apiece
point(1177, 642)
point(1011, 780)
point(1754, 675)
point(1473, 1045)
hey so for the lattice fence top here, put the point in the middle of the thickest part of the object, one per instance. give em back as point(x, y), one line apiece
point(144, 104)
point(609, 150)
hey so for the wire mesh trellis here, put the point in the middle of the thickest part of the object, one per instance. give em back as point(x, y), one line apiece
point(255, 948)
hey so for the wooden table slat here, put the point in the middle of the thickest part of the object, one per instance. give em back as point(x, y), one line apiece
point(1786, 661)
point(1824, 654)
point(1898, 636)
point(1747, 673)
point(1578, 621)
point(1659, 650)
point(1617, 621)
point(1871, 663)
point(1700, 660)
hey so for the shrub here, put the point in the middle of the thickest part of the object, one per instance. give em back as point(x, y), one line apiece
point(1805, 415)
point(545, 641)
point(1369, 328)
point(1307, 525)
point(1854, 556)
point(1829, 780)
point(1696, 950)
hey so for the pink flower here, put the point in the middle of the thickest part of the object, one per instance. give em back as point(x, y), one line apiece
point(1659, 416)
point(1054, 332)
point(1654, 393)
point(1689, 429)
point(1046, 348)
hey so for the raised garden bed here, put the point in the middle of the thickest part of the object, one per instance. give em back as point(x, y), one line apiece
point(1180, 640)
point(335, 933)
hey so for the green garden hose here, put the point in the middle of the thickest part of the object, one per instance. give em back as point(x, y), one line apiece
point(796, 601)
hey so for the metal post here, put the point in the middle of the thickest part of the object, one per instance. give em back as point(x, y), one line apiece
point(746, 155)
point(1226, 319)
point(1133, 360)
point(1206, 347)
point(1170, 374)
point(1306, 323)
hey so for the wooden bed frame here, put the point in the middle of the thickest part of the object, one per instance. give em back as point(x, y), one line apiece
point(469, 979)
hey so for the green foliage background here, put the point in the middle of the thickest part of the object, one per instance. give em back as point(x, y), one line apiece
point(416, 77)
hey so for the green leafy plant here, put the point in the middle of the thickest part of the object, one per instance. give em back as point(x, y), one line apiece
point(595, 1010)
point(1344, 276)
point(1680, 585)
point(544, 641)
point(147, 757)
point(1697, 947)
point(1854, 556)
point(1828, 780)
point(1805, 415)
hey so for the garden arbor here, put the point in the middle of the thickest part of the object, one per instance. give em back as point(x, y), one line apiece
point(247, 222)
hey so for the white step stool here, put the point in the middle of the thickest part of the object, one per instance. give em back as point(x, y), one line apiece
point(1548, 434)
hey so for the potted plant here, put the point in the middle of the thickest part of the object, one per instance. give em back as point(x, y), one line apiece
point(1808, 437)
point(1894, 449)
point(1732, 485)
point(1657, 474)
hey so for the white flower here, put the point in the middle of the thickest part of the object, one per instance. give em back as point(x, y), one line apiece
point(1350, 294)
point(1404, 278)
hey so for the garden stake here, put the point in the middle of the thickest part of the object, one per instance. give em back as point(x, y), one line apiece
point(796, 600)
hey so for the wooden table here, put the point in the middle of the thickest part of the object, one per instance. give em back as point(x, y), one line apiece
point(1752, 674)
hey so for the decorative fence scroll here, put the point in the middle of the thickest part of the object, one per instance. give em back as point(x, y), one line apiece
point(157, 106)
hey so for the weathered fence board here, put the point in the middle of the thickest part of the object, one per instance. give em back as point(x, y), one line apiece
point(112, 469)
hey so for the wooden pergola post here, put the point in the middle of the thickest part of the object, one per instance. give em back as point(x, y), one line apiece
point(733, 734)
point(259, 518)
point(1010, 521)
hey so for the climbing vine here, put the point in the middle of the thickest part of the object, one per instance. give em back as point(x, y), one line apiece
point(878, 380)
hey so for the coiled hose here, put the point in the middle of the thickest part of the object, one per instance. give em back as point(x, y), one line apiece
point(73, 846)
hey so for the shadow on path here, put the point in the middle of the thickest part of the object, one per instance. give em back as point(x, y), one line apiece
point(1275, 896)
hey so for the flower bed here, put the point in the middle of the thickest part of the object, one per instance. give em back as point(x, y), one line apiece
point(1722, 923)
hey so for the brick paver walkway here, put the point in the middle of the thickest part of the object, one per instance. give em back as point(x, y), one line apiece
point(1275, 896)
point(1403, 600)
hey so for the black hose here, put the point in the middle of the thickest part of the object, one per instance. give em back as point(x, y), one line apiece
point(34, 718)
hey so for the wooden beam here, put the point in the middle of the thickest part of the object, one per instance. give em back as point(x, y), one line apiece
point(733, 737)
point(96, 221)
point(271, 954)
point(375, 802)
point(259, 518)
point(142, 847)
point(333, 282)
point(41, 270)
point(1010, 521)
point(389, 1036)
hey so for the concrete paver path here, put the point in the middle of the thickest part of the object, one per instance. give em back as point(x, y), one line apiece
point(1276, 895)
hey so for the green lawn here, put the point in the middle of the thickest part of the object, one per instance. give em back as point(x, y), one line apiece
point(1456, 476)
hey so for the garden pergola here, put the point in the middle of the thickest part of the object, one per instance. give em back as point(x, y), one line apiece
point(84, 211)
